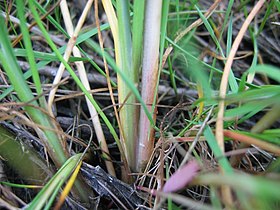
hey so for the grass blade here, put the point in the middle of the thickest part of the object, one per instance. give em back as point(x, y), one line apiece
point(50, 190)
point(8, 60)
point(129, 111)
point(150, 71)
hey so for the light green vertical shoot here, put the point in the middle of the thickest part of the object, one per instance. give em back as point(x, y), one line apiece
point(127, 100)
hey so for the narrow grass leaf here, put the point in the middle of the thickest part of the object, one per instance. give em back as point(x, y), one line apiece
point(45, 56)
point(52, 187)
point(68, 187)
point(269, 70)
point(72, 73)
point(262, 187)
point(211, 140)
point(25, 94)
point(251, 71)
point(29, 51)
point(268, 12)
point(232, 79)
point(20, 185)
point(255, 107)
point(262, 93)
point(225, 21)
point(229, 36)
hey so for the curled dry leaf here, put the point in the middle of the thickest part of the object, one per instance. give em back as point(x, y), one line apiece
point(181, 177)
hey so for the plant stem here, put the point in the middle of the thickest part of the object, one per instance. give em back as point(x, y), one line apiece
point(149, 79)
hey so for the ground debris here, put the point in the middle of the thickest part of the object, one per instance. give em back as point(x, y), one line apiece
point(123, 195)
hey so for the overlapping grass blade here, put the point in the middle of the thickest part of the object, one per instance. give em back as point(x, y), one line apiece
point(29, 52)
point(45, 56)
point(47, 195)
point(211, 140)
point(257, 191)
point(232, 79)
point(72, 73)
point(129, 111)
point(83, 37)
point(24, 93)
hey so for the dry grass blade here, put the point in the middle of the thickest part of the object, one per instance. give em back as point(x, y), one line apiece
point(227, 196)
point(69, 48)
point(224, 81)
point(101, 43)
point(84, 79)
point(250, 140)
point(187, 202)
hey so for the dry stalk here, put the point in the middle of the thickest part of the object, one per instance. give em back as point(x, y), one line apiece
point(83, 76)
point(101, 43)
point(70, 45)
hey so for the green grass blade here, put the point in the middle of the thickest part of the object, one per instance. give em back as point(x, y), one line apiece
point(268, 12)
point(211, 140)
point(51, 189)
point(210, 30)
point(45, 56)
point(262, 93)
point(278, 5)
point(29, 51)
point(269, 70)
point(229, 36)
point(25, 95)
point(129, 112)
point(163, 29)
point(232, 79)
point(264, 190)
point(137, 34)
point(251, 107)
point(229, 9)
point(199, 61)
point(51, 19)
point(82, 38)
